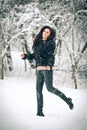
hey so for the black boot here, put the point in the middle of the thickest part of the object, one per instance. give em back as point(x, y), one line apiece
point(40, 104)
point(62, 96)
point(69, 102)
point(40, 114)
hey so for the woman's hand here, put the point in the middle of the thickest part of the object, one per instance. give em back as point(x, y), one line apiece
point(47, 67)
point(43, 68)
point(22, 56)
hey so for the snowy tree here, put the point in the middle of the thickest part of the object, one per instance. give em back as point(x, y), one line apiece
point(69, 17)
point(5, 36)
point(25, 18)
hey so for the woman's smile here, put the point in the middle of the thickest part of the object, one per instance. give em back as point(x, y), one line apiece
point(45, 34)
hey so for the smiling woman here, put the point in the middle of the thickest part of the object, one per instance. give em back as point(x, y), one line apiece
point(46, 34)
point(44, 46)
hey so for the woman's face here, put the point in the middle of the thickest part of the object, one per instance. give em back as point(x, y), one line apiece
point(46, 33)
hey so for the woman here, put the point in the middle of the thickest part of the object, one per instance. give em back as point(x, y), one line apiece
point(44, 46)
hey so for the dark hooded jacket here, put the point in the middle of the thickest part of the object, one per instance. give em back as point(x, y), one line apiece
point(43, 53)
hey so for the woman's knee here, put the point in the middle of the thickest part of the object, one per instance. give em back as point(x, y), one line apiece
point(50, 89)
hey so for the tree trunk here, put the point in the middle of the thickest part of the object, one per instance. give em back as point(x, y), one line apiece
point(2, 73)
point(1, 50)
point(24, 60)
point(74, 65)
point(74, 61)
point(0, 68)
point(74, 76)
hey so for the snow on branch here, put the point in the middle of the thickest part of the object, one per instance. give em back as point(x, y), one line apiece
point(10, 42)
point(81, 11)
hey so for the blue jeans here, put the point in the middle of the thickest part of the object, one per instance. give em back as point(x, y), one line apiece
point(47, 77)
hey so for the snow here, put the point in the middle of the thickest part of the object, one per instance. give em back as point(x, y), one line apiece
point(18, 104)
point(18, 107)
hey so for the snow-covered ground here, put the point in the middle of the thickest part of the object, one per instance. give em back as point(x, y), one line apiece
point(18, 105)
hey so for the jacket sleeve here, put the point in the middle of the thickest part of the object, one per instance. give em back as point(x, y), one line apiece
point(29, 57)
point(51, 57)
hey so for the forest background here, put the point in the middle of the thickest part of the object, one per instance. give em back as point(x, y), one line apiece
point(21, 20)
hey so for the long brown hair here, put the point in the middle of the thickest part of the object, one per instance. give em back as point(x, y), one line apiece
point(39, 36)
